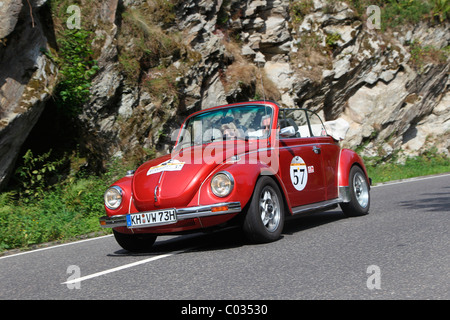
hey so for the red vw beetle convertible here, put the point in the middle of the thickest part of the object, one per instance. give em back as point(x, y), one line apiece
point(249, 163)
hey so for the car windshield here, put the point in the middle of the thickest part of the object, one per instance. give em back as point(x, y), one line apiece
point(242, 122)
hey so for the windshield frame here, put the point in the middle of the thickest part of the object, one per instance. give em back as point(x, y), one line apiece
point(224, 110)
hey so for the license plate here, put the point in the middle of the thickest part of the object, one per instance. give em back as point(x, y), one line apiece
point(151, 218)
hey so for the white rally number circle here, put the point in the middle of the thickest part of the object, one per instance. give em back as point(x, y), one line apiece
point(299, 173)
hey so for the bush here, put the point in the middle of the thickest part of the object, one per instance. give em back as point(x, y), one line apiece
point(34, 174)
point(77, 68)
point(70, 210)
point(62, 211)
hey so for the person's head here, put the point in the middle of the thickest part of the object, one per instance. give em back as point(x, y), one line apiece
point(229, 130)
point(265, 122)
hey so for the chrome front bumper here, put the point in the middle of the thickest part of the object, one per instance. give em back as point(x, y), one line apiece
point(182, 213)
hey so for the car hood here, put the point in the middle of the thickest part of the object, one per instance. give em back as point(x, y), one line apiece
point(173, 180)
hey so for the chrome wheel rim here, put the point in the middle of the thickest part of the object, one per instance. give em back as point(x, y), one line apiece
point(361, 190)
point(269, 207)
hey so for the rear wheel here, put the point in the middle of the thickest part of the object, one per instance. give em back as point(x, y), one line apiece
point(359, 194)
point(264, 220)
point(135, 242)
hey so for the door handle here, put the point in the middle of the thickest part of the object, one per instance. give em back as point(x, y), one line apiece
point(316, 150)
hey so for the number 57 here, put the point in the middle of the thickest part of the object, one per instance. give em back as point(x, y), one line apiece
point(297, 174)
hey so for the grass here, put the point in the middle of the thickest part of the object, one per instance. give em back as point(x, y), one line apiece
point(422, 55)
point(69, 211)
point(60, 212)
point(426, 164)
point(395, 13)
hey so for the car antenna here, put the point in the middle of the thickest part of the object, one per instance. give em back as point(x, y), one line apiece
point(260, 64)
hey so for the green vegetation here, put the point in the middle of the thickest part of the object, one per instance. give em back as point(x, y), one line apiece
point(332, 40)
point(441, 9)
point(49, 198)
point(395, 13)
point(421, 55)
point(34, 213)
point(148, 50)
point(77, 67)
point(63, 213)
point(35, 173)
point(299, 9)
point(429, 162)
point(75, 59)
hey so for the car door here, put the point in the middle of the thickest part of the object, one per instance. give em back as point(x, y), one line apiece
point(300, 161)
point(329, 150)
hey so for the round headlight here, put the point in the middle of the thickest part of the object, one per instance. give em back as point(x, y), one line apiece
point(113, 197)
point(222, 184)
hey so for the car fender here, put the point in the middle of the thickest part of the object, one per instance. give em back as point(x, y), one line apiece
point(347, 159)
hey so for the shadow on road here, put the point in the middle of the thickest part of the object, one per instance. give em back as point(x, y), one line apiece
point(311, 220)
point(431, 202)
point(231, 237)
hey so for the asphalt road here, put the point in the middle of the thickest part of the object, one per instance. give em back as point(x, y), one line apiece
point(399, 251)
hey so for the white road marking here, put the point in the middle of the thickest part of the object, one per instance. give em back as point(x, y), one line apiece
point(55, 246)
point(130, 265)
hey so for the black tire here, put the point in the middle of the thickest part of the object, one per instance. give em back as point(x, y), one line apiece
point(135, 242)
point(359, 194)
point(264, 219)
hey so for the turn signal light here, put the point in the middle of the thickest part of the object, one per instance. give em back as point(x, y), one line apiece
point(221, 208)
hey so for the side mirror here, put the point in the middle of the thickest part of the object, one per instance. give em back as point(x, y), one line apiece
point(287, 132)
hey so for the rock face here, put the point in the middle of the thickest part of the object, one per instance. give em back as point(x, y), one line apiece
point(329, 62)
point(27, 78)
point(9, 14)
point(324, 58)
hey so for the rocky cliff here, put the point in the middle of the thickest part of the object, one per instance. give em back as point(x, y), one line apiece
point(161, 60)
point(27, 77)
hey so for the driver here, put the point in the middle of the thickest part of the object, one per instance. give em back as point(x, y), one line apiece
point(230, 130)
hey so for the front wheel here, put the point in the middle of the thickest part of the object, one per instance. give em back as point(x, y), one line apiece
point(264, 220)
point(359, 194)
point(135, 242)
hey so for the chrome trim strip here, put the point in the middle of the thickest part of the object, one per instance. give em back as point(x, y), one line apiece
point(113, 221)
point(155, 193)
point(204, 211)
point(182, 214)
point(314, 206)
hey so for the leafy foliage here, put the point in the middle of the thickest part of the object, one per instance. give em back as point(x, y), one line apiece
point(332, 40)
point(441, 9)
point(77, 68)
point(34, 174)
point(64, 211)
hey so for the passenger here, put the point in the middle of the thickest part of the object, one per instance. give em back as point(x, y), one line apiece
point(265, 124)
point(230, 130)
